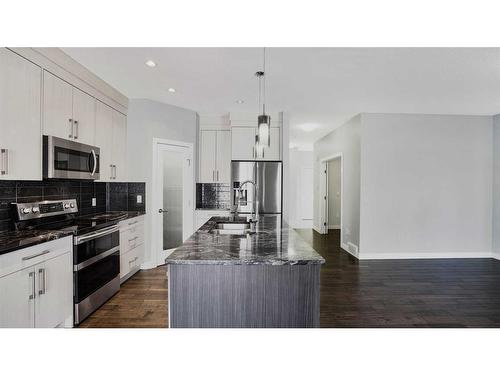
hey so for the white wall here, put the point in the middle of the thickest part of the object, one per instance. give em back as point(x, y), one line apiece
point(496, 186)
point(334, 191)
point(301, 188)
point(346, 140)
point(426, 186)
point(148, 119)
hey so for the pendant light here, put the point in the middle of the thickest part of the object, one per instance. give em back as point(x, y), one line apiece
point(263, 120)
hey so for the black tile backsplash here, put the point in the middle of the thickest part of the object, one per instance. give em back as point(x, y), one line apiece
point(213, 196)
point(111, 196)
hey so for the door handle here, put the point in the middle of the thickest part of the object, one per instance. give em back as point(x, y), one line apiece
point(42, 277)
point(162, 211)
point(70, 128)
point(5, 161)
point(76, 130)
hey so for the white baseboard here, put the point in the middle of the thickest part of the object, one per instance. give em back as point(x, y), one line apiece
point(334, 227)
point(426, 255)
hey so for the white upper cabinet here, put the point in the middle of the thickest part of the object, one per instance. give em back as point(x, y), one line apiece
point(104, 140)
point(69, 113)
point(243, 143)
point(215, 156)
point(119, 148)
point(57, 107)
point(83, 117)
point(223, 171)
point(111, 138)
point(208, 150)
point(20, 118)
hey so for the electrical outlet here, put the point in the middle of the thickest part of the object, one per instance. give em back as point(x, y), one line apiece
point(94, 202)
point(139, 198)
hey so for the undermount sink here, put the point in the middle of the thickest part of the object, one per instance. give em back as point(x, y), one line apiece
point(238, 229)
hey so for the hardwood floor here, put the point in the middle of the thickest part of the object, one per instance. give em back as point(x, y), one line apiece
point(368, 293)
point(140, 303)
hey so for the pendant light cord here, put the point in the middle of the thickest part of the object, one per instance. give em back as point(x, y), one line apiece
point(264, 84)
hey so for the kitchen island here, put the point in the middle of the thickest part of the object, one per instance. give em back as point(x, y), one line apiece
point(226, 275)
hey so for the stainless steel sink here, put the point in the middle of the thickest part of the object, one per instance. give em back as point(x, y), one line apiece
point(238, 229)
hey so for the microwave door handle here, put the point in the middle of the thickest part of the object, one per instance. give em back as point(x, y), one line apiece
point(94, 156)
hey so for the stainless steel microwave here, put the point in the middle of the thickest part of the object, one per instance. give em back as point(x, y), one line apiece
point(68, 159)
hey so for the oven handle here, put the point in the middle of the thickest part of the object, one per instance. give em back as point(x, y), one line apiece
point(95, 162)
point(96, 234)
point(98, 257)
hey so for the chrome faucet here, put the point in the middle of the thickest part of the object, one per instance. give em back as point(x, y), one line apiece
point(255, 204)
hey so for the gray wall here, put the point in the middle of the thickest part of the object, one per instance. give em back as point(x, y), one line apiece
point(149, 119)
point(347, 140)
point(426, 186)
point(334, 197)
point(496, 186)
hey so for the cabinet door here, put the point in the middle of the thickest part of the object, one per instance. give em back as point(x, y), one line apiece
point(17, 296)
point(54, 300)
point(243, 143)
point(57, 107)
point(208, 146)
point(20, 118)
point(104, 140)
point(223, 156)
point(273, 152)
point(83, 117)
point(119, 150)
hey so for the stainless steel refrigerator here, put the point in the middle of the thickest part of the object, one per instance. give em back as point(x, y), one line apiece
point(268, 175)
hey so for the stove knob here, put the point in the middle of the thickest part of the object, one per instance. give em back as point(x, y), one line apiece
point(66, 206)
point(26, 210)
point(35, 210)
point(72, 205)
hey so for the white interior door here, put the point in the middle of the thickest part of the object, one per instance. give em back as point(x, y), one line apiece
point(174, 197)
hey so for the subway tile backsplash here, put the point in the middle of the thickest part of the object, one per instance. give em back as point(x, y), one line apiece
point(213, 196)
point(111, 196)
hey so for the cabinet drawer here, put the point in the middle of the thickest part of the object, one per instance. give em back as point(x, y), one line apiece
point(131, 260)
point(131, 238)
point(30, 256)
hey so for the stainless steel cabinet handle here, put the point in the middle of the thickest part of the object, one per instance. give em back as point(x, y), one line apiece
point(42, 281)
point(213, 175)
point(70, 128)
point(253, 152)
point(36, 255)
point(115, 171)
point(76, 130)
point(133, 223)
point(5, 161)
point(217, 175)
point(32, 277)
point(133, 239)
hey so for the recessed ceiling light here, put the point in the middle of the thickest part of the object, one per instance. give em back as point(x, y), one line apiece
point(171, 89)
point(239, 101)
point(309, 127)
point(150, 63)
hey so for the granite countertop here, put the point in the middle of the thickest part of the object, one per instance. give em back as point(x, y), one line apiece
point(16, 240)
point(274, 243)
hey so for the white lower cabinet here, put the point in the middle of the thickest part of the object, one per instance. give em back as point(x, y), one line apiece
point(131, 247)
point(36, 286)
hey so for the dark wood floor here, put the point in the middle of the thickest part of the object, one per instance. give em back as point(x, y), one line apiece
point(374, 293)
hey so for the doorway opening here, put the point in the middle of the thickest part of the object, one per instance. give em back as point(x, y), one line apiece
point(173, 196)
point(331, 202)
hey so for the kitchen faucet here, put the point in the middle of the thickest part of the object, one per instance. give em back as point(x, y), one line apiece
point(255, 204)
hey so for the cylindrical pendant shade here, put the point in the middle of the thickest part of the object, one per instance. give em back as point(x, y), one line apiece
point(264, 130)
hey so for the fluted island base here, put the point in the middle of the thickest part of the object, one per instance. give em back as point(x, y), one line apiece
point(243, 296)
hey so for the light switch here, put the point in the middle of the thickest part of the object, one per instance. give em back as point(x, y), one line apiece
point(94, 202)
point(139, 198)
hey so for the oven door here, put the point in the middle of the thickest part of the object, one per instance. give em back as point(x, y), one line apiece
point(67, 159)
point(96, 261)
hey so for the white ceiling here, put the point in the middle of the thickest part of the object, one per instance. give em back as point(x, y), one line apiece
point(318, 86)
